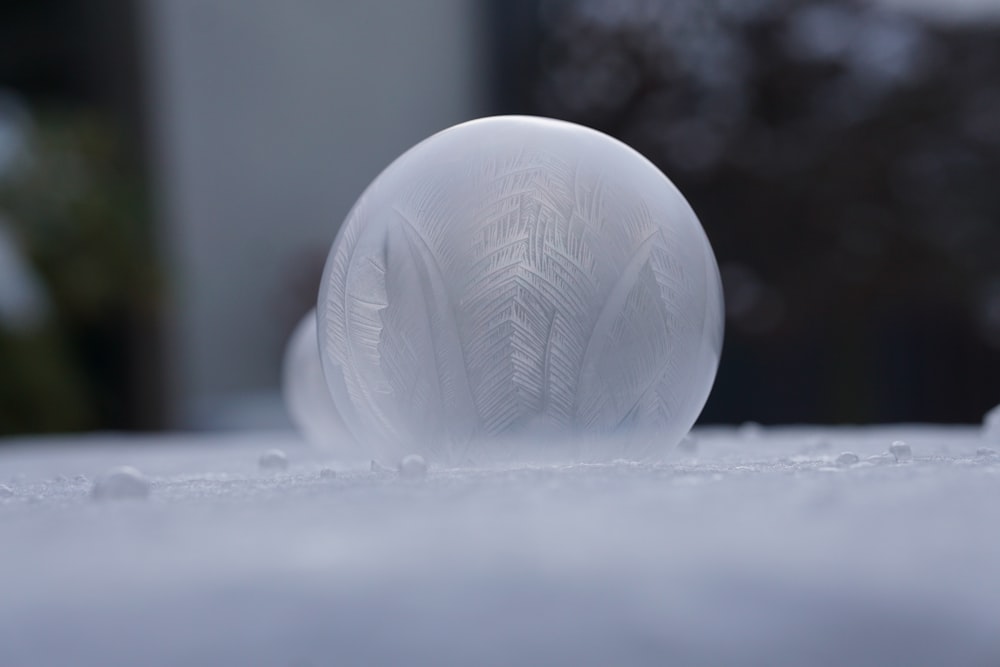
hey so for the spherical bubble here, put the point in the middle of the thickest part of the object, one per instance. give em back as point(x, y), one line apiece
point(518, 284)
point(307, 397)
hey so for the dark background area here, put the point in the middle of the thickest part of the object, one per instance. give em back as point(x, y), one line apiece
point(74, 199)
point(844, 160)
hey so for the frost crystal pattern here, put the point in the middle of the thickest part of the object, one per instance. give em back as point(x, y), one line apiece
point(520, 279)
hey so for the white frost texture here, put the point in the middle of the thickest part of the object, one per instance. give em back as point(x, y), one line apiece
point(516, 277)
point(755, 552)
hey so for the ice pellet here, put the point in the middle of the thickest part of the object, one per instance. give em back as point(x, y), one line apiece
point(273, 459)
point(900, 450)
point(327, 473)
point(413, 467)
point(120, 483)
point(847, 459)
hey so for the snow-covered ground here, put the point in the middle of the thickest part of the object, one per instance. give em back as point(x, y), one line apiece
point(756, 548)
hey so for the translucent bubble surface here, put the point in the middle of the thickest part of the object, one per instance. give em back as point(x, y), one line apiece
point(520, 284)
point(307, 398)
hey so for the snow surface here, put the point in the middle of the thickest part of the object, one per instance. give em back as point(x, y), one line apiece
point(751, 547)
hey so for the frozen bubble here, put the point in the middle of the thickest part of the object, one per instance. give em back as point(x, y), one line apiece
point(520, 278)
point(327, 473)
point(900, 451)
point(379, 469)
point(307, 397)
point(80, 478)
point(986, 453)
point(413, 467)
point(273, 459)
point(6, 491)
point(847, 459)
point(991, 424)
point(122, 482)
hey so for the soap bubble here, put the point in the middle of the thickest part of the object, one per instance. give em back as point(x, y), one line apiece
point(518, 282)
point(307, 398)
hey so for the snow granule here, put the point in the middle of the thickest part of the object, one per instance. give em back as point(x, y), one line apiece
point(847, 459)
point(413, 467)
point(119, 483)
point(273, 459)
point(900, 450)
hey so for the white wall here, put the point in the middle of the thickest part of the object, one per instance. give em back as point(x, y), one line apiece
point(268, 120)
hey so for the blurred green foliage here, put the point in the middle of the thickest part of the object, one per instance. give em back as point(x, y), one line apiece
point(75, 205)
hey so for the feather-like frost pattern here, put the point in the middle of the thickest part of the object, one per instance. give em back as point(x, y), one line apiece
point(421, 354)
point(511, 288)
point(531, 296)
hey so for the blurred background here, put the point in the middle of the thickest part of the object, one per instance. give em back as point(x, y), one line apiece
point(173, 172)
